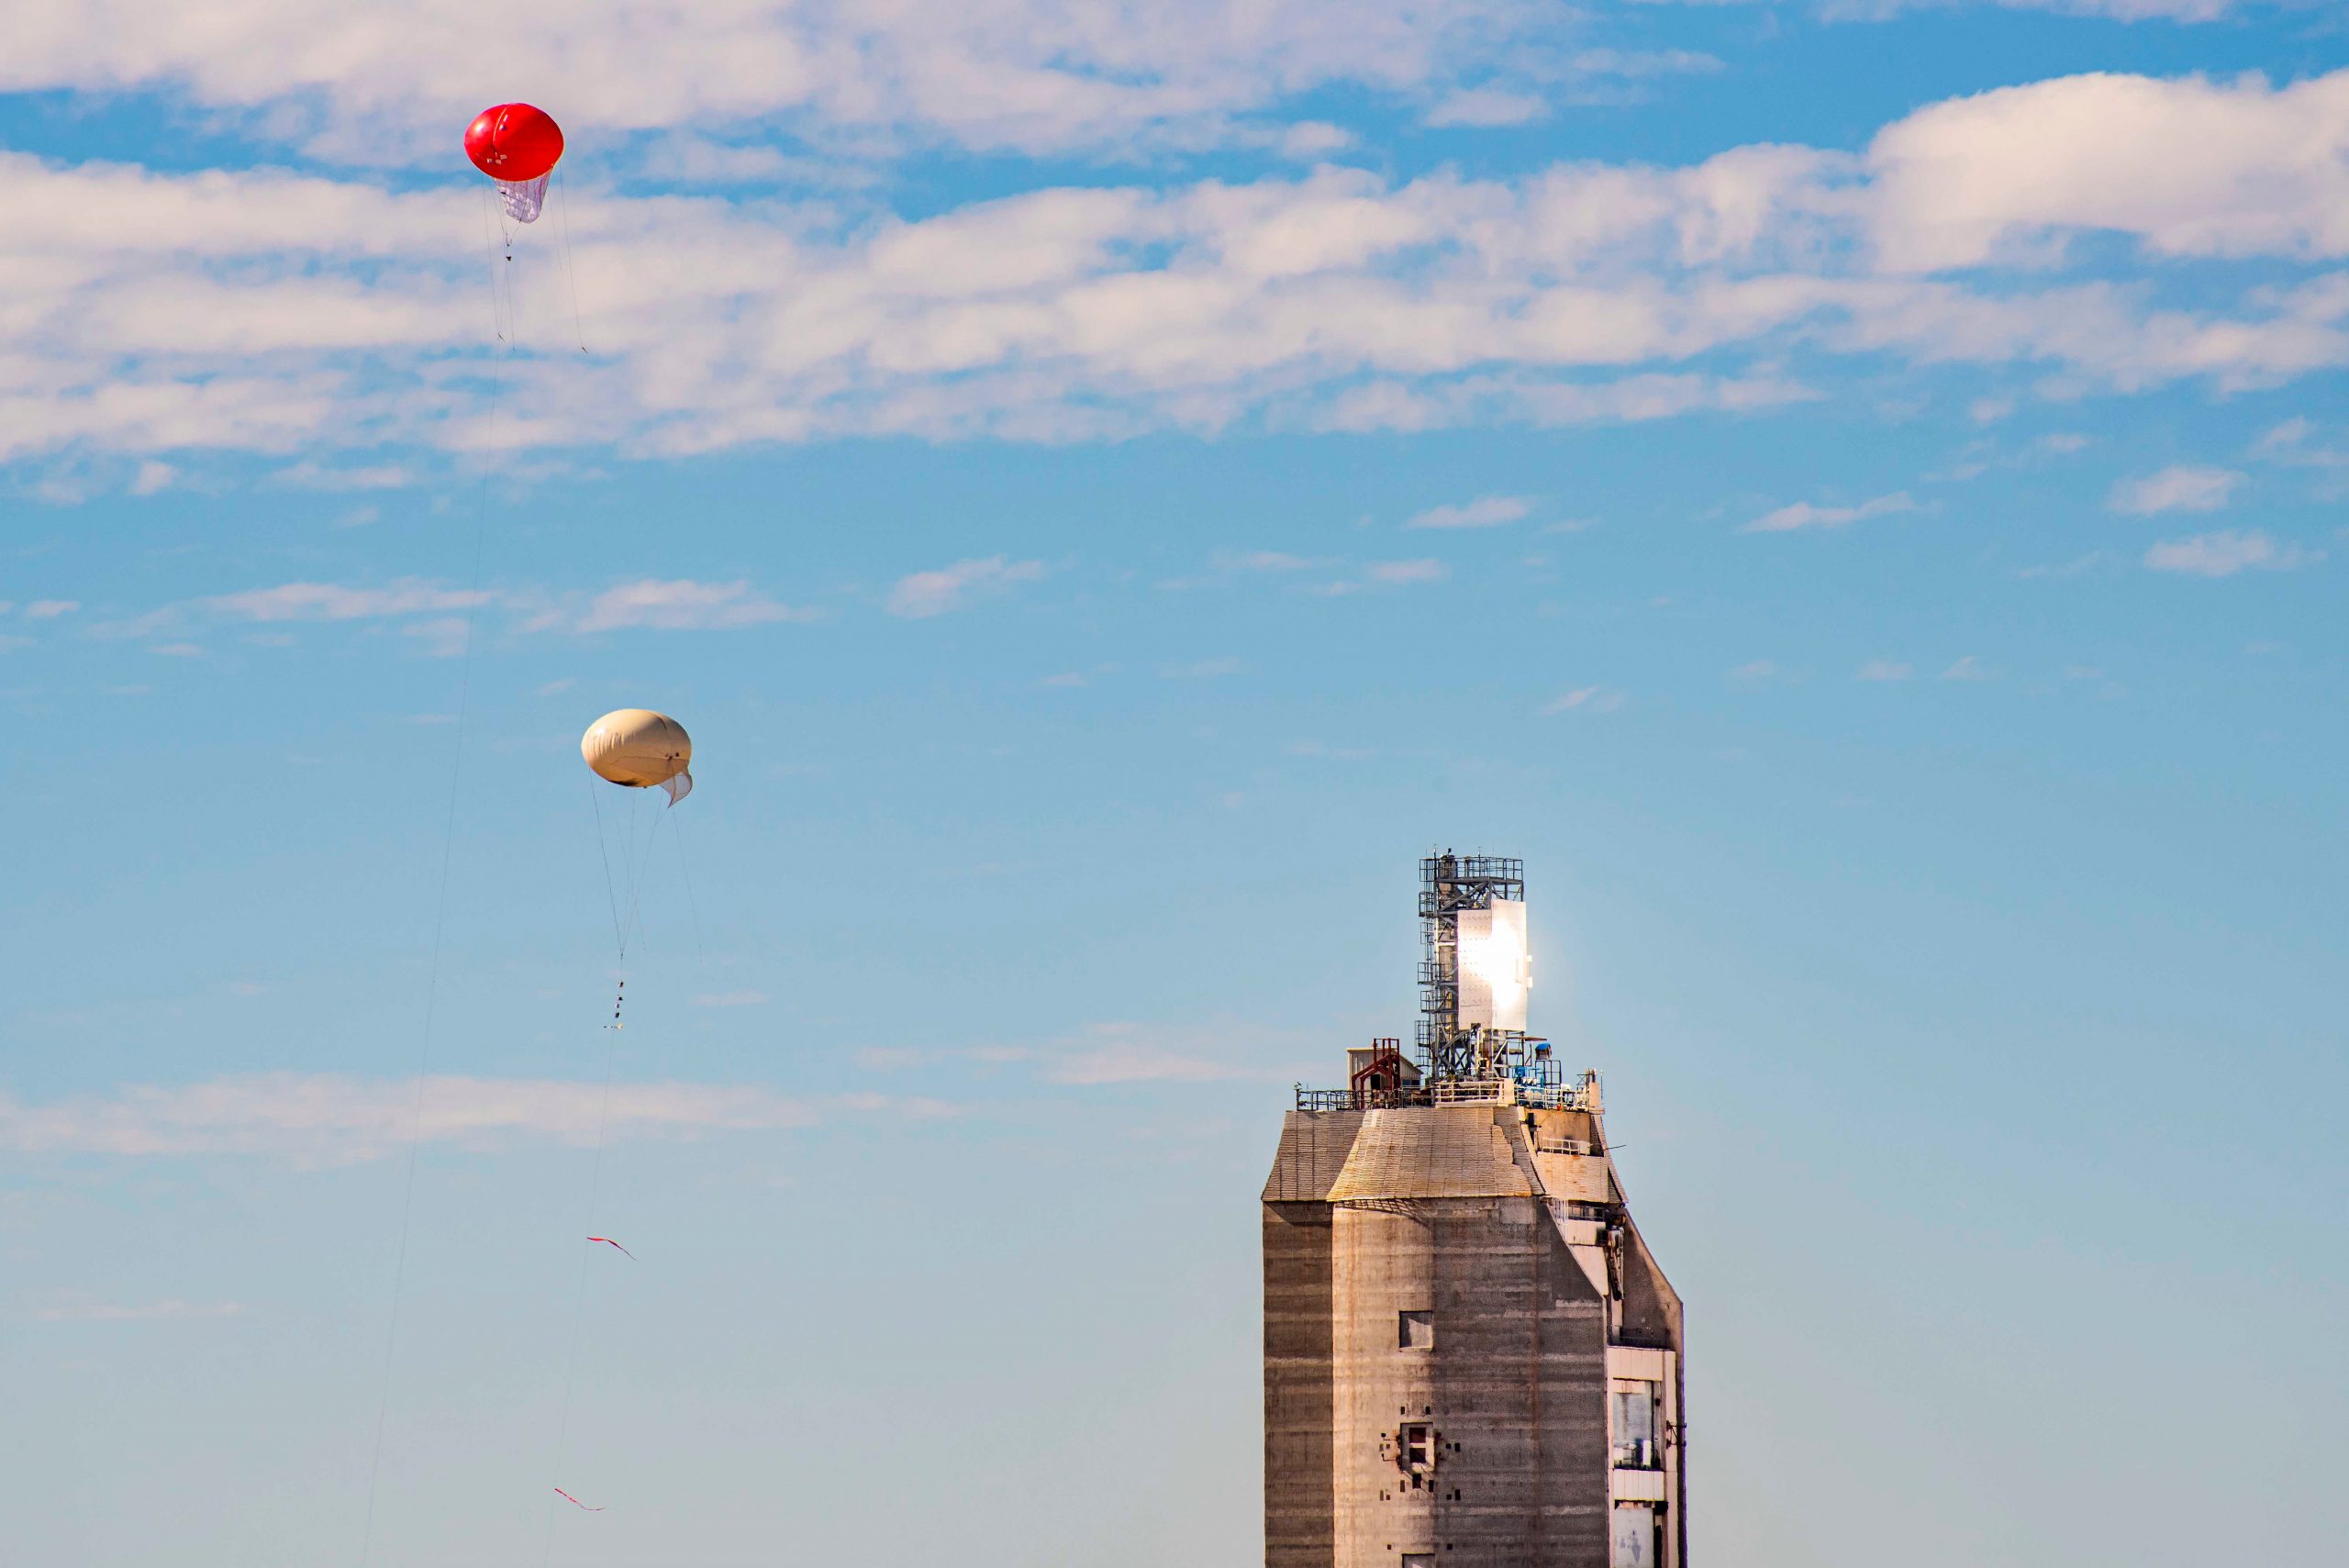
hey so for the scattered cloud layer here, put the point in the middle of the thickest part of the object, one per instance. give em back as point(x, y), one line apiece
point(1133, 1061)
point(2190, 166)
point(2224, 554)
point(395, 81)
point(435, 615)
point(334, 601)
point(683, 606)
point(2177, 489)
point(329, 1118)
point(78, 1307)
point(1380, 574)
point(1808, 515)
point(1584, 699)
point(156, 315)
point(1485, 512)
point(922, 594)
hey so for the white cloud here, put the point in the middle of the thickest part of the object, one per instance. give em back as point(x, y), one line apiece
point(688, 158)
point(46, 609)
point(1968, 668)
point(392, 80)
point(1315, 138)
point(1205, 669)
point(1549, 401)
point(1807, 515)
point(1399, 574)
point(1488, 106)
point(77, 1307)
point(1584, 699)
point(1132, 1061)
point(365, 477)
point(2299, 442)
point(2072, 568)
point(2223, 554)
point(1383, 574)
point(2190, 167)
point(1885, 669)
point(334, 601)
point(328, 1119)
point(1485, 512)
point(442, 637)
point(682, 604)
point(671, 604)
point(2131, 10)
point(2177, 489)
point(922, 594)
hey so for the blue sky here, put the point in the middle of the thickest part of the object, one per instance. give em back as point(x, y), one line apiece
point(1852, 495)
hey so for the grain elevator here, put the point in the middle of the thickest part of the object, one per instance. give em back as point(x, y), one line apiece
point(1471, 1358)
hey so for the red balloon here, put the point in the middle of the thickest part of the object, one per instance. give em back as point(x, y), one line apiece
point(514, 142)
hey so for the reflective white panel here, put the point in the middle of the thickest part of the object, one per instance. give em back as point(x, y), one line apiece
point(1495, 970)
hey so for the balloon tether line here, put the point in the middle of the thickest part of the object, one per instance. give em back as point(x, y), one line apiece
point(499, 285)
point(579, 1294)
point(424, 1044)
point(563, 237)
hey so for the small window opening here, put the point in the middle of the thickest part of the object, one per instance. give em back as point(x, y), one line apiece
point(1415, 1450)
point(1415, 1330)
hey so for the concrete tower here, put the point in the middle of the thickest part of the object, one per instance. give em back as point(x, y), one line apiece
point(1470, 1359)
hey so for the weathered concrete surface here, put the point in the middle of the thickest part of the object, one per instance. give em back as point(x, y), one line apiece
point(1436, 1331)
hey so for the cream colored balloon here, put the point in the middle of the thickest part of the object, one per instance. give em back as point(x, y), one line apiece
point(637, 747)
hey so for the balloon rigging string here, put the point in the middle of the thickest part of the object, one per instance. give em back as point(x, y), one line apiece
point(562, 249)
point(500, 286)
point(596, 799)
point(637, 879)
point(579, 1292)
point(635, 872)
point(424, 1043)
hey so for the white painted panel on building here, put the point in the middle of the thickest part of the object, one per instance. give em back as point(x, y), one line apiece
point(1577, 1232)
point(1631, 1361)
point(1634, 1538)
point(1639, 1486)
point(1496, 970)
point(1594, 1264)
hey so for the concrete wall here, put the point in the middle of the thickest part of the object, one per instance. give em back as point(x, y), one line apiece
point(1298, 1379)
point(1442, 1210)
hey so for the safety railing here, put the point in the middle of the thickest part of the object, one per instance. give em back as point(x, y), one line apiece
point(1579, 1096)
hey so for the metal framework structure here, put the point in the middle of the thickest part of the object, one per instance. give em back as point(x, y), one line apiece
point(1449, 883)
point(1458, 1063)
